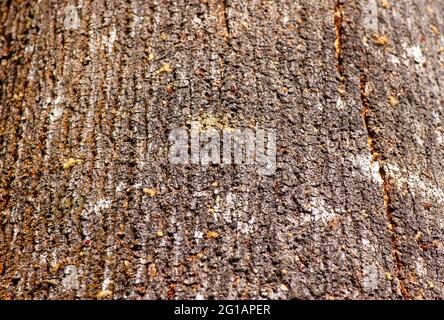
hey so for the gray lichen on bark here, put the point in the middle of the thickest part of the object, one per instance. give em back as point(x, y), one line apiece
point(90, 207)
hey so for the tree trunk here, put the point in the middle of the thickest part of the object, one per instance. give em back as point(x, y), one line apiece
point(91, 206)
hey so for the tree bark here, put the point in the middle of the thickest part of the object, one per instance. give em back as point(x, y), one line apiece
point(90, 206)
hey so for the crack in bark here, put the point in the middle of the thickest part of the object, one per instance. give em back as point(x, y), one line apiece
point(339, 36)
point(225, 19)
point(386, 189)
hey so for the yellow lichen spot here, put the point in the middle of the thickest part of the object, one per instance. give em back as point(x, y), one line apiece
point(284, 90)
point(393, 101)
point(151, 57)
point(103, 294)
point(212, 235)
point(430, 285)
point(283, 287)
point(364, 214)
point(152, 270)
point(159, 234)
point(165, 68)
point(199, 255)
point(418, 235)
point(150, 191)
point(215, 184)
point(54, 269)
point(385, 4)
point(163, 37)
point(71, 163)
point(126, 263)
point(364, 40)
point(381, 40)
point(390, 227)
point(388, 275)
point(208, 121)
point(434, 30)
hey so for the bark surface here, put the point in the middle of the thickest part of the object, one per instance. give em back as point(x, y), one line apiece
point(353, 88)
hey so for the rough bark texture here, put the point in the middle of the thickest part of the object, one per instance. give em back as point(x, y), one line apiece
point(353, 88)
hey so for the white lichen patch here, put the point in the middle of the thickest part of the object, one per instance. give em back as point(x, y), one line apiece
point(339, 104)
point(224, 207)
point(370, 16)
point(56, 111)
point(439, 132)
point(365, 242)
point(108, 40)
point(107, 273)
point(72, 20)
point(55, 114)
point(234, 208)
point(230, 207)
point(368, 167)
point(199, 296)
point(320, 211)
point(198, 235)
point(102, 204)
point(415, 52)
point(70, 279)
point(420, 267)
point(121, 186)
point(136, 24)
point(370, 277)
point(393, 59)
point(417, 185)
point(246, 227)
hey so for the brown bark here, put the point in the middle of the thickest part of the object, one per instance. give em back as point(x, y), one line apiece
point(353, 88)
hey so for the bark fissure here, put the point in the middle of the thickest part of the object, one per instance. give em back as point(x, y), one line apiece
point(376, 156)
point(338, 44)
